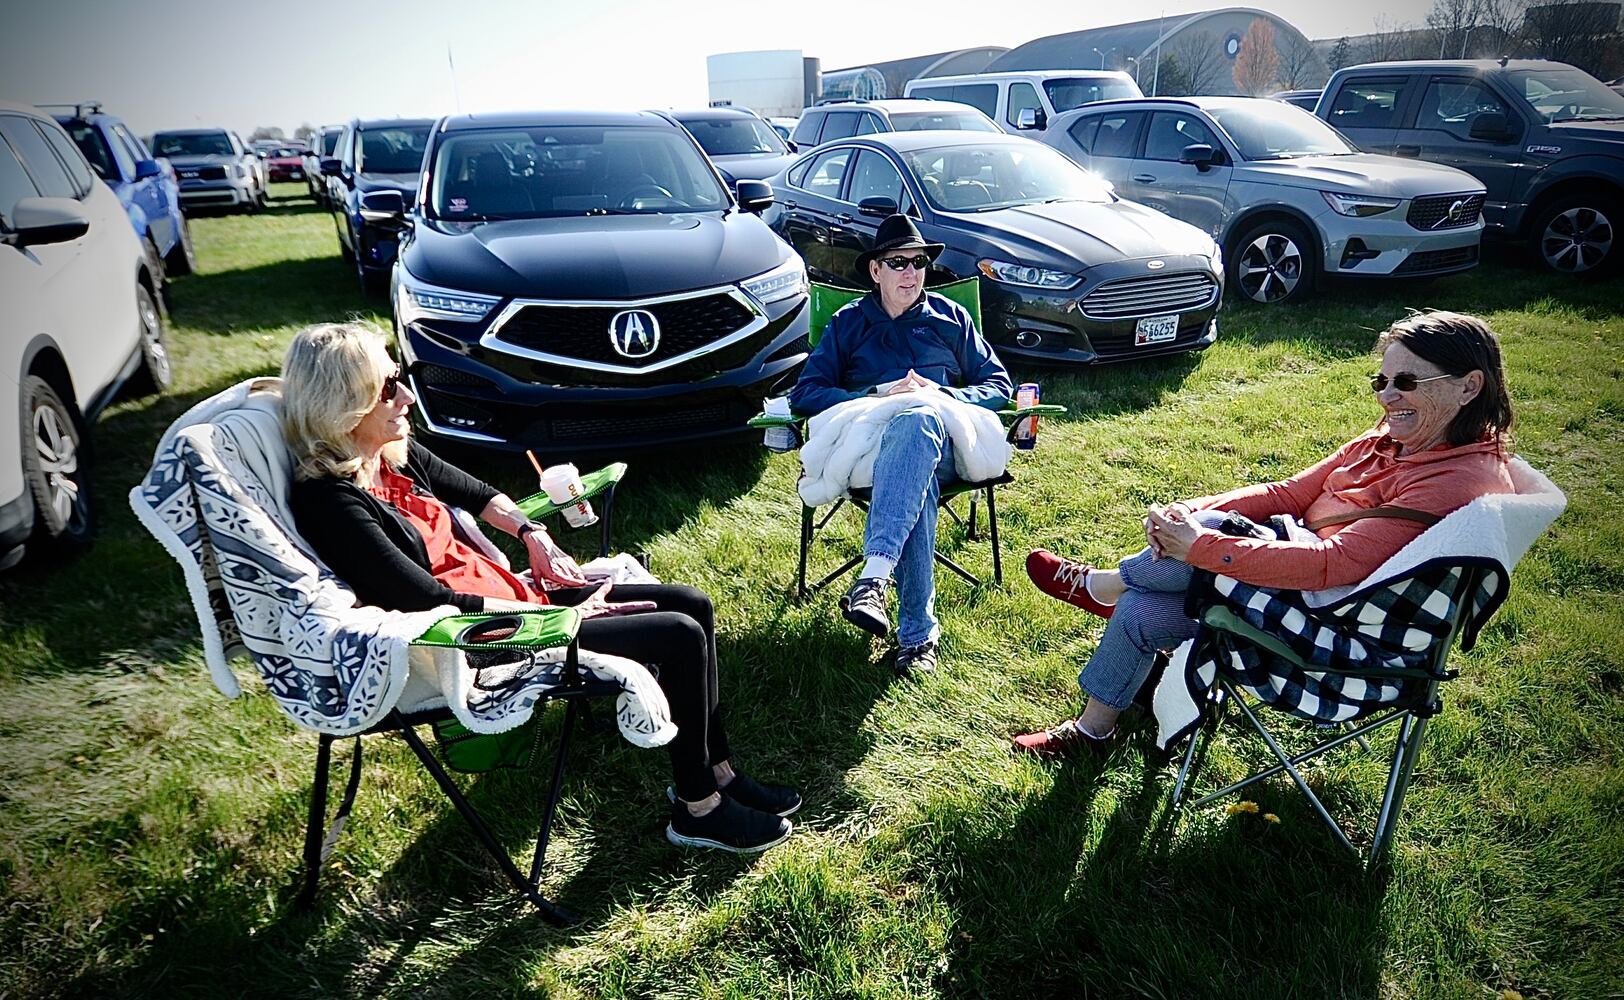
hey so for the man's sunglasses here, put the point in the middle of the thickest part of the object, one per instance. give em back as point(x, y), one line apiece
point(391, 385)
point(919, 263)
point(1403, 381)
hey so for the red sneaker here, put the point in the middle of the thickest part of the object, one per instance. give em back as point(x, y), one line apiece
point(1063, 740)
point(1065, 580)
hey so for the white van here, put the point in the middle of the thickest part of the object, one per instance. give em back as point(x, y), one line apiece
point(1046, 92)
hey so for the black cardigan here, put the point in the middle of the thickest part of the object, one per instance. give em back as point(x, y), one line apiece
point(372, 547)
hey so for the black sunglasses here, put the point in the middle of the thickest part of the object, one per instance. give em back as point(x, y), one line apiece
point(919, 263)
point(1403, 381)
point(391, 385)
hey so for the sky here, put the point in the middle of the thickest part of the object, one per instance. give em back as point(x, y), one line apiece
point(187, 63)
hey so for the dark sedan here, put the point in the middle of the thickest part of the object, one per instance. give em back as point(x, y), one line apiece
point(741, 143)
point(1069, 272)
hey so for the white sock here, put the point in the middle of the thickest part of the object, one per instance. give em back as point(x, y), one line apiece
point(1098, 736)
point(1088, 585)
point(878, 567)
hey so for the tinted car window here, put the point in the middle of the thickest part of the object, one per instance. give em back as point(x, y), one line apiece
point(1117, 134)
point(1564, 94)
point(839, 125)
point(71, 158)
point(874, 176)
point(1171, 131)
point(797, 173)
point(982, 177)
point(806, 130)
point(1271, 130)
point(981, 96)
point(735, 136)
point(932, 93)
point(192, 144)
point(1083, 131)
point(869, 124)
point(397, 149)
point(132, 145)
point(1367, 104)
point(14, 184)
point(107, 163)
point(1067, 93)
point(49, 175)
point(1021, 96)
point(828, 169)
point(1451, 105)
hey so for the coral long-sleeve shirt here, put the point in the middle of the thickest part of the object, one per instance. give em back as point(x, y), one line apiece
point(1369, 471)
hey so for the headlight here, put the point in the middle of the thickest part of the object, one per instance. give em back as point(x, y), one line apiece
point(1217, 259)
point(237, 170)
point(1026, 275)
point(1358, 205)
point(415, 300)
point(787, 280)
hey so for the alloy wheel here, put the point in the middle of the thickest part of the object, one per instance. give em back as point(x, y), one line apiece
point(1270, 268)
point(152, 341)
point(1577, 240)
point(58, 452)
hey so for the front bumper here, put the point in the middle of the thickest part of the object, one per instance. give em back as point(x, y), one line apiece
point(473, 394)
point(1383, 247)
point(225, 193)
point(1064, 328)
point(287, 173)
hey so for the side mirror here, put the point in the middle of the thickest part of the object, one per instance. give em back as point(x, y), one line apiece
point(793, 148)
point(382, 206)
point(1031, 118)
point(1491, 125)
point(148, 168)
point(42, 221)
point(331, 167)
point(755, 197)
point(879, 206)
point(1200, 154)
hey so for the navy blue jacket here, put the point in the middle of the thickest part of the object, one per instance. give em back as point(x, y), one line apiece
point(864, 347)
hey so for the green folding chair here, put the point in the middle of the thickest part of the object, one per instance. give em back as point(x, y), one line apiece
point(825, 300)
point(598, 487)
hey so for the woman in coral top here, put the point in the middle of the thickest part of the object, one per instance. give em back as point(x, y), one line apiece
point(373, 504)
point(1442, 441)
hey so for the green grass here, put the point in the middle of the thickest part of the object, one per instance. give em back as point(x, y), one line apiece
point(150, 829)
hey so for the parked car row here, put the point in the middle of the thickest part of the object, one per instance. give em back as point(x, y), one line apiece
point(215, 168)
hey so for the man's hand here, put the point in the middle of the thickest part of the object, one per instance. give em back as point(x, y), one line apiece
point(911, 382)
point(549, 562)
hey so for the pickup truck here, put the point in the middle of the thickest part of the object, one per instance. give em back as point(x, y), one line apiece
point(1546, 139)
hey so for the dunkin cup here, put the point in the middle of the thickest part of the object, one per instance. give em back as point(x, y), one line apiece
point(562, 484)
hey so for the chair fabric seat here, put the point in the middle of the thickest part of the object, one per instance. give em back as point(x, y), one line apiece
point(955, 488)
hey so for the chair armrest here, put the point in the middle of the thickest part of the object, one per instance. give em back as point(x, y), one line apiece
point(1011, 414)
point(541, 628)
point(537, 506)
point(768, 420)
point(1225, 620)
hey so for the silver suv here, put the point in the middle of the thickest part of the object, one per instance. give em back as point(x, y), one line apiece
point(1286, 196)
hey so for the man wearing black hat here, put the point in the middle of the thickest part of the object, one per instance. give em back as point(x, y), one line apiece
point(900, 338)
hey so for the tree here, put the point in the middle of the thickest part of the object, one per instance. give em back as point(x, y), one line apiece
point(1386, 42)
point(267, 132)
point(304, 131)
point(1450, 21)
point(1571, 31)
point(1341, 54)
point(1300, 66)
point(1199, 57)
point(1258, 63)
point(1171, 79)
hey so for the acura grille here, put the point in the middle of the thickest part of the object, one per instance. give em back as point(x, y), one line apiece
point(581, 333)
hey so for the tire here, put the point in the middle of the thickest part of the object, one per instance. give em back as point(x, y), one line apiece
point(156, 371)
point(1579, 235)
point(181, 259)
point(55, 467)
point(1273, 263)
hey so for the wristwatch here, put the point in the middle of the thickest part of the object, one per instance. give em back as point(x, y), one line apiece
point(529, 526)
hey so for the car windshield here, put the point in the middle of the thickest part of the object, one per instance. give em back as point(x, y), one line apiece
point(736, 137)
point(1066, 93)
point(285, 151)
point(1567, 95)
point(967, 120)
point(985, 177)
point(567, 170)
point(1271, 130)
point(191, 144)
point(329, 143)
point(392, 149)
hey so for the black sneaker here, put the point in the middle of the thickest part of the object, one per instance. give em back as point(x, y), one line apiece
point(864, 606)
point(920, 658)
point(776, 800)
point(728, 827)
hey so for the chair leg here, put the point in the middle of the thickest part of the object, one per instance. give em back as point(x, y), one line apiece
point(313, 829)
point(1197, 748)
point(546, 829)
point(992, 528)
point(1405, 752)
point(1296, 776)
point(553, 913)
point(606, 515)
point(971, 533)
point(806, 546)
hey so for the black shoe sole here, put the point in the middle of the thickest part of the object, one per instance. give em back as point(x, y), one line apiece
point(671, 797)
point(683, 840)
point(876, 627)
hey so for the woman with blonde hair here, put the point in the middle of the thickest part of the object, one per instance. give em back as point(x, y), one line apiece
point(374, 505)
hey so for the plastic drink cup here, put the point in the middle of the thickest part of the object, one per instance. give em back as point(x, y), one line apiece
point(562, 484)
point(1026, 434)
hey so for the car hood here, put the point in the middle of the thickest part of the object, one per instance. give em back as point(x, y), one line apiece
point(753, 168)
point(404, 183)
point(1361, 173)
point(1608, 134)
point(1073, 232)
point(596, 257)
point(194, 160)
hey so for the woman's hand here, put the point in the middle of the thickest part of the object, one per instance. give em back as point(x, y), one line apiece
point(598, 605)
point(1178, 509)
point(549, 562)
point(1172, 531)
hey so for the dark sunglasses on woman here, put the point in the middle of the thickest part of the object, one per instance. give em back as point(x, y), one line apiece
point(391, 385)
point(919, 263)
point(1403, 381)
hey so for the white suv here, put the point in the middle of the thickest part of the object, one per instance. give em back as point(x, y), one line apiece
point(78, 317)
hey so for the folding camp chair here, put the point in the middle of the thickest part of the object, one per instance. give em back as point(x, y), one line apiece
point(598, 487)
point(825, 300)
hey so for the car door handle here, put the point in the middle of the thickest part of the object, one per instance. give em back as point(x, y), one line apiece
point(1145, 178)
point(1406, 150)
point(790, 205)
point(844, 217)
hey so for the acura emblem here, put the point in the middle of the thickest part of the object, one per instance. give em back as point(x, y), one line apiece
point(1157, 265)
point(634, 333)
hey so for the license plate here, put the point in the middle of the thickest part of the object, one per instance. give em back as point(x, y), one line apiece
point(297, 175)
point(190, 175)
point(1155, 329)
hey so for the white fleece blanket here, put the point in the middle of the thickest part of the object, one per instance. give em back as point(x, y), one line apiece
point(216, 499)
point(844, 440)
point(1499, 527)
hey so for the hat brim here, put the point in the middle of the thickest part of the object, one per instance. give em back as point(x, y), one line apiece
point(932, 250)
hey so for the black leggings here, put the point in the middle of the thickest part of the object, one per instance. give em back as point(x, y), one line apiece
point(679, 640)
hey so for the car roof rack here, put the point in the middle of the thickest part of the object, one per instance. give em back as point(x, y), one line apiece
point(80, 108)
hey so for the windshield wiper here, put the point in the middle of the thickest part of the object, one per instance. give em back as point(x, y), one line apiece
point(611, 211)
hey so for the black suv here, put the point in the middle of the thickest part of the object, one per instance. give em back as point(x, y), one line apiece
point(1546, 139)
point(582, 280)
point(374, 157)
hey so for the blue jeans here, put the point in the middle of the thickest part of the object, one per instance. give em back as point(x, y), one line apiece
point(1149, 616)
point(915, 460)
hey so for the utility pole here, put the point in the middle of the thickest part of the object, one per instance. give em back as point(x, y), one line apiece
point(1156, 77)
